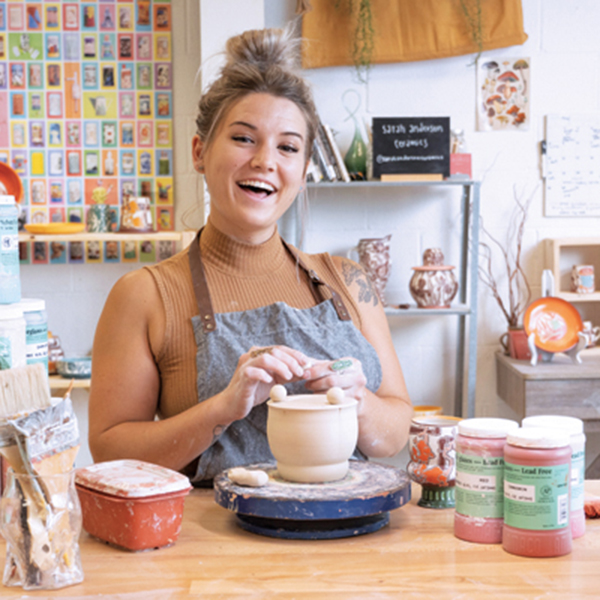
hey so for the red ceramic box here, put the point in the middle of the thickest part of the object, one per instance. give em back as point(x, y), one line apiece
point(132, 504)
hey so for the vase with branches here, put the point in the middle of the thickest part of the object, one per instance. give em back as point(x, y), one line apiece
point(514, 294)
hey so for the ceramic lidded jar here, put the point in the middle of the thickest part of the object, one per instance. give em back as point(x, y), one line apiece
point(312, 436)
point(433, 285)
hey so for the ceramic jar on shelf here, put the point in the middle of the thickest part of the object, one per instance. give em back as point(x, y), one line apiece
point(433, 285)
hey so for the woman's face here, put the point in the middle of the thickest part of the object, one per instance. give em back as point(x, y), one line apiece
point(254, 166)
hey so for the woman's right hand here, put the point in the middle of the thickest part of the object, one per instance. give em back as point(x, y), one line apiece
point(257, 371)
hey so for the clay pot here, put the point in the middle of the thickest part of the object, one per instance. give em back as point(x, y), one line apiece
point(433, 285)
point(311, 438)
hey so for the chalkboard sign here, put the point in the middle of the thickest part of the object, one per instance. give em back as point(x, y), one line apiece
point(411, 145)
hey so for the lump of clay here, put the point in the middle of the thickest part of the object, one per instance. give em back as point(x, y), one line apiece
point(248, 477)
point(278, 393)
point(335, 395)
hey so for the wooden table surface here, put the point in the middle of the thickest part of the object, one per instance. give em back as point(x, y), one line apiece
point(415, 557)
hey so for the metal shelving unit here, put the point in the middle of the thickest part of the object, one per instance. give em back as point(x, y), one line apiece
point(465, 309)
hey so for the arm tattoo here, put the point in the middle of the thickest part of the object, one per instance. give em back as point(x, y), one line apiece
point(366, 291)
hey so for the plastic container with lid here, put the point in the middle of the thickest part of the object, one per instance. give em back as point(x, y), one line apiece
point(36, 330)
point(10, 281)
point(132, 504)
point(537, 465)
point(12, 337)
point(574, 427)
point(479, 491)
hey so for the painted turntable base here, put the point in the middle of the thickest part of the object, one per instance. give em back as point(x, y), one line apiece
point(358, 504)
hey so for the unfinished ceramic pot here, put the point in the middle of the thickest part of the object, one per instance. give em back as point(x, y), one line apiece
point(433, 285)
point(312, 436)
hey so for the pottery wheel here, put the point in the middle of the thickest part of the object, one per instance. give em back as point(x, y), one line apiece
point(358, 504)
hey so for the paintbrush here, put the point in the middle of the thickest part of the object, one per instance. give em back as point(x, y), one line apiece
point(23, 389)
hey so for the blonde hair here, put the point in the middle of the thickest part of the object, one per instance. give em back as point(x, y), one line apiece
point(257, 61)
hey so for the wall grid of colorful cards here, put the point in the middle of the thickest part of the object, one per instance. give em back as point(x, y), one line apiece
point(86, 117)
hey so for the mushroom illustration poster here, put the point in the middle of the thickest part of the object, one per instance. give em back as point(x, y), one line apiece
point(503, 93)
point(86, 119)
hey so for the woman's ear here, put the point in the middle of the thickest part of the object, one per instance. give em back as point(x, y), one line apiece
point(197, 156)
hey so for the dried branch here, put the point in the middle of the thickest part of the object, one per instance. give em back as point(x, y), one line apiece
point(518, 288)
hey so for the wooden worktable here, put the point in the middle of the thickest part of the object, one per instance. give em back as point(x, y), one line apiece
point(416, 557)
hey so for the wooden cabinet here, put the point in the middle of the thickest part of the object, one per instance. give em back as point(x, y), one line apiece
point(464, 306)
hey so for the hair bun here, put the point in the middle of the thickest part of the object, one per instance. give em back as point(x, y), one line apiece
point(264, 48)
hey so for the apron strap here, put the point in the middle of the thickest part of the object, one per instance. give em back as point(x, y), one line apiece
point(205, 308)
point(338, 303)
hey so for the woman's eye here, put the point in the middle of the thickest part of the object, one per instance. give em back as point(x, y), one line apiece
point(289, 148)
point(241, 138)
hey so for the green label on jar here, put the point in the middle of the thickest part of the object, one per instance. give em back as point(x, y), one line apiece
point(5, 353)
point(536, 498)
point(478, 488)
point(577, 479)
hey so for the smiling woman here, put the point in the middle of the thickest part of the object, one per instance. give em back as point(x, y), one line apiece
point(187, 350)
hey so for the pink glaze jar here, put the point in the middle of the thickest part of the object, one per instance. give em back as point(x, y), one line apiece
point(479, 490)
point(574, 427)
point(537, 464)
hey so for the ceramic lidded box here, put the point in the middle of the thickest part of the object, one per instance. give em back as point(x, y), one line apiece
point(312, 436)
point(132, 504)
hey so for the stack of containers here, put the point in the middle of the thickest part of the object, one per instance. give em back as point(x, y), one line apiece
point(479, 515)
point(23, 322)
point(537, 464)
point(12, 322)
point(574, 427)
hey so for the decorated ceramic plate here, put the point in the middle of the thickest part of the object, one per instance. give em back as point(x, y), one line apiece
point(555, 323)
point(10, 182)
point(54, 228)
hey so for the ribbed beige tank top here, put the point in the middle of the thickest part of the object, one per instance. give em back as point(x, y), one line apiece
point(240, 277)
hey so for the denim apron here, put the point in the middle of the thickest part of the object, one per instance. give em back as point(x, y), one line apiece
point(323, 332)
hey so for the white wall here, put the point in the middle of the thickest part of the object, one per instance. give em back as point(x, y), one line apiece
point(564, 49)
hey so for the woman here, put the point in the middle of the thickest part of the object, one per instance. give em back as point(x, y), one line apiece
point(199, 340)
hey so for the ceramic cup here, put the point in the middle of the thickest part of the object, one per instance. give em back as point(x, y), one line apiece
point(101, 218)
point(592, 333)
point(374, 258)
point(310, 438)
point(431, 444)
point(582, 279)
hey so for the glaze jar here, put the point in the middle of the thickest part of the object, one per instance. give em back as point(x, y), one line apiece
point(537, 465)
point(479, 489)
point(574, 427)
point(311, 438)
point(13, 352)
point(36, 330)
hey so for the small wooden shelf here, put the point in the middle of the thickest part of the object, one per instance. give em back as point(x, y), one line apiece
point(62, 383)
point(555, 250)
point(102, 237)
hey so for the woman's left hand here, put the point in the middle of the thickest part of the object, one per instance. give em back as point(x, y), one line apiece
point(345, 373)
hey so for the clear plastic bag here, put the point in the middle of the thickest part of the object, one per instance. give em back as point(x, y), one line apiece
point(40, 518)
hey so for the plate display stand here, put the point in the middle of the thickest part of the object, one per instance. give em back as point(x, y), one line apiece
point(358, 504)
point(573, 353)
